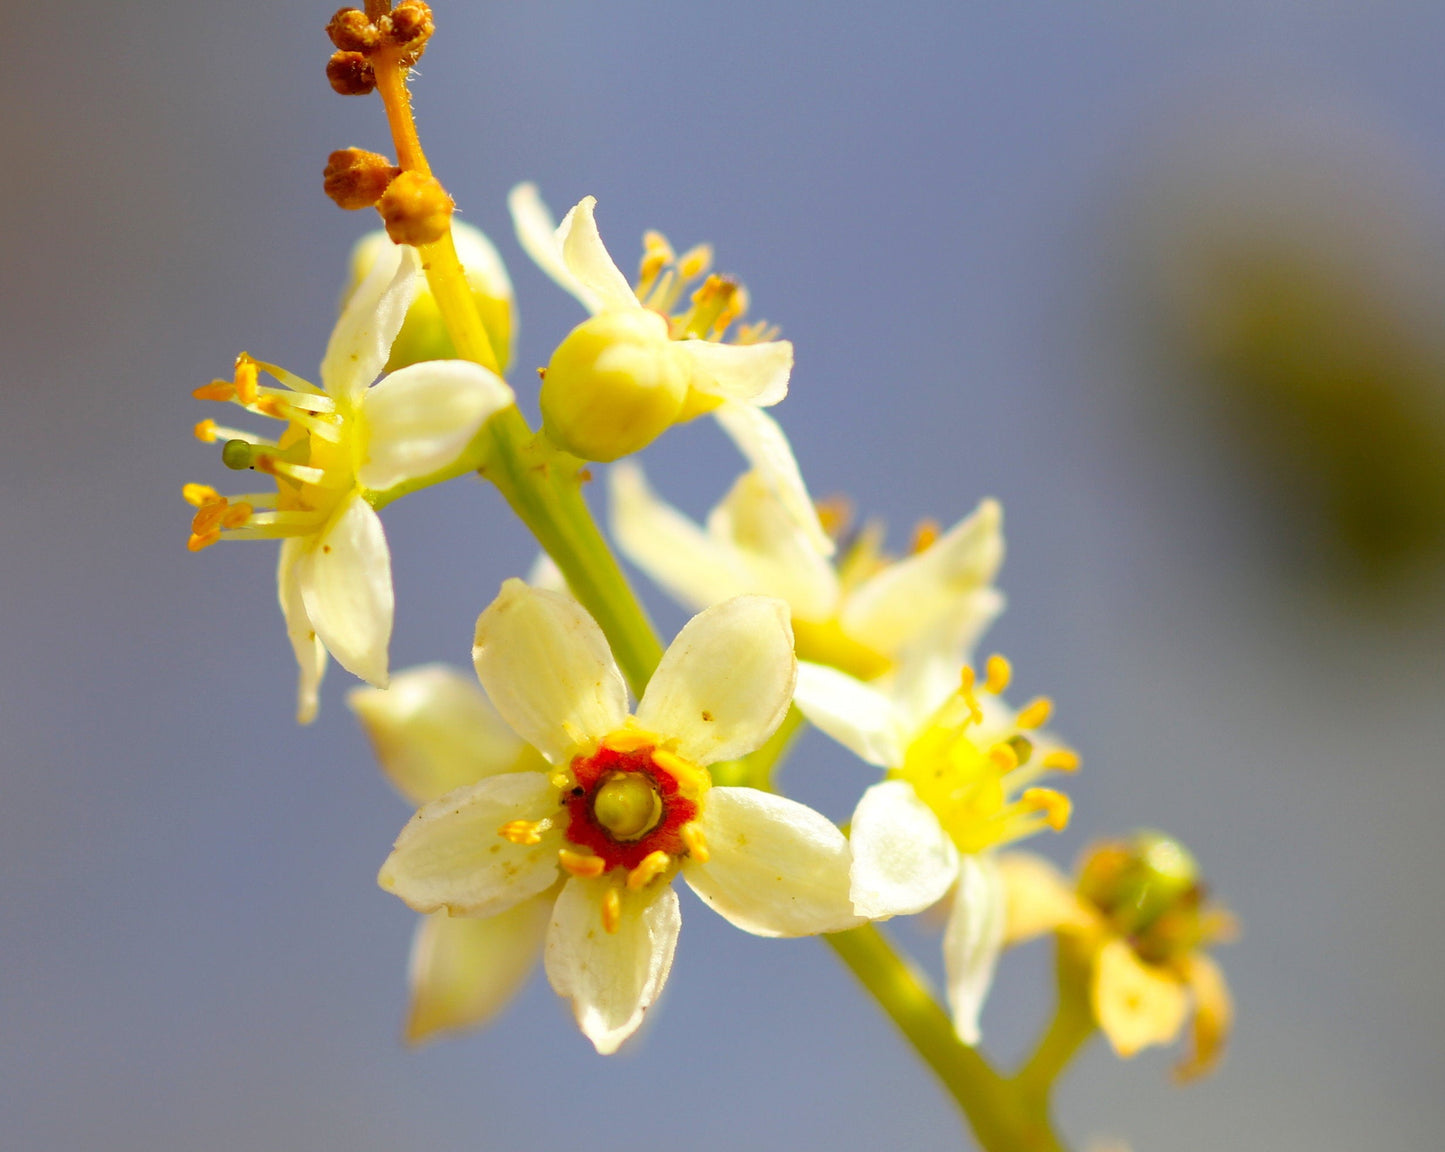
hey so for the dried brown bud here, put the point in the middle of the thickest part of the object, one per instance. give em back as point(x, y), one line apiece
point(350, 74)
point(351, 31)
point(356, 179)
point(408, 28)
point(416, 209)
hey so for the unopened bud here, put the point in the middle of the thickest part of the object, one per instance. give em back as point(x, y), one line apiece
point(614, 385)
point(350, 74)
point(351, 31)
point(1137, 882)
point(416, 209)
point(356, 179)
point(408, 28)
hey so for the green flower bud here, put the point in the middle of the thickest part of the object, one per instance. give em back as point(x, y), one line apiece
point(614, 385)
point(1138, 882)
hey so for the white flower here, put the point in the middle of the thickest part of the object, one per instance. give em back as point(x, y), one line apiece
point(862, 614)
point(690, 370)
point(627, 804)
point(961, 768)
point(342, 443)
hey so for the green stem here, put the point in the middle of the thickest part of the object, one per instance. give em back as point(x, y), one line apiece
point(1003, 1117)
point(1070, 1029)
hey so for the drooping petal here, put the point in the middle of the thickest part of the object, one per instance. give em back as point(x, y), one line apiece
point(418, 421)
point(691, 565)
point(917, 594)
point(546, 666)
point(612, 978)
point(777, 550)
point(310, 652)
point(724, 685)
point(452, 855)
point(362, 338)
point(1213, 1016)
point(763, 444)
point(1039, 899)
point(345, 576)
point(972, 941)
point(1135, 1004)
point(860, 718)
point(748, 373)
point(537, 233)
point(587, 259)
point(774, 868)
point(434, 730)
point(903, 860)
point(464, 970)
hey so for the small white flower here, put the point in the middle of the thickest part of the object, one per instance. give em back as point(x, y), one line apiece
point(342, 443)
point(961, 771)
point(864, 614)
point(627, 804)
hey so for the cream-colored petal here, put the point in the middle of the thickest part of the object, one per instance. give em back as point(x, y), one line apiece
point(482, 263)
point(434, 730)
point(778, 552)
point(362, 338)
point(1039, 899)
point(537, 233)
point(451, 855)
point(1213, 1016)
point(774, 868)
point(747, 373)
point(464, 970)
point(310, 652)
point(903, 860)
point(917, 594)
point(419, 420)
point(546, 666)
point(612, 978)
point(972, 941)
point(724, 685)
point(763, 444)
point(345, 577)
point(860, 718)
point(587, 259)
point(692, 566)
point(1135, 1004)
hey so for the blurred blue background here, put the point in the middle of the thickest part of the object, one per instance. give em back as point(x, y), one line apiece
point(989, 233)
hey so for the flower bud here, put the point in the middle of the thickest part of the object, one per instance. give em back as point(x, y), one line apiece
point(356, 179)
point(416, 209)
point(614, 385)
point(424, 335)
point(1138, 882)
point(350, 74)
point(351, 31)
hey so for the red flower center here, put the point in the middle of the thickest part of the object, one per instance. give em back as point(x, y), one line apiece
point(626, 805)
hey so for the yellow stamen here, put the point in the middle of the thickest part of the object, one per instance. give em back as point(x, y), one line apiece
point(924, 536)
point(1055, 806)
point(236, 515)
point(208, 517)
point(272, 406)
point(1036, 713)
point(215, 390)
point(653, 865)
point(1004, 757)
point(197, 495)
point(1061, 759)
point(688, 775)
point(696, 842)
point(966, 681)
point(695, 261)
point(562, 781)
point(835, 513)
point(997, 674)
point(196, 543)
point(582, 864)
point(628, 740)
point(247, 386)
point(524, 831)
point(205, 431)
point(611, 910)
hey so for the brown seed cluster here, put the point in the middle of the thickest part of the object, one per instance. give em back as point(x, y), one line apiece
point(404, 32)
point(356, 179)
point(416, 209)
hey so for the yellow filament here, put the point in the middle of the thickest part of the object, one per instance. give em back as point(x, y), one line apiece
point(611, 910)
point(696, 842)
point(1036, 713)
point(582, 864)
point(997, 674)
point(653, 865)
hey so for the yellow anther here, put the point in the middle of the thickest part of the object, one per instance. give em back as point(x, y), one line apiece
point(1061, 759)
point(246, 383)
point(198, 495)
point(628, 740)
point(562, 781)
point(236, 515)
point(695, 261)
point(997, 674)
point(272, 406)
point(582, 864)
point(1055, 806)
point(924, 536)
point(264, 462)
point(197, 542)
point(208, 517)
point(835, 513)
point(690, 778)
point(205, 431)
point(1036, 713)
point(1005, 758)
point(215, 390)
point(523, 831)
point(653, 865)
point(696, 842)
point(611, 910)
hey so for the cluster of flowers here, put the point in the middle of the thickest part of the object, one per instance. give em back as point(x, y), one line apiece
point(551, 818)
